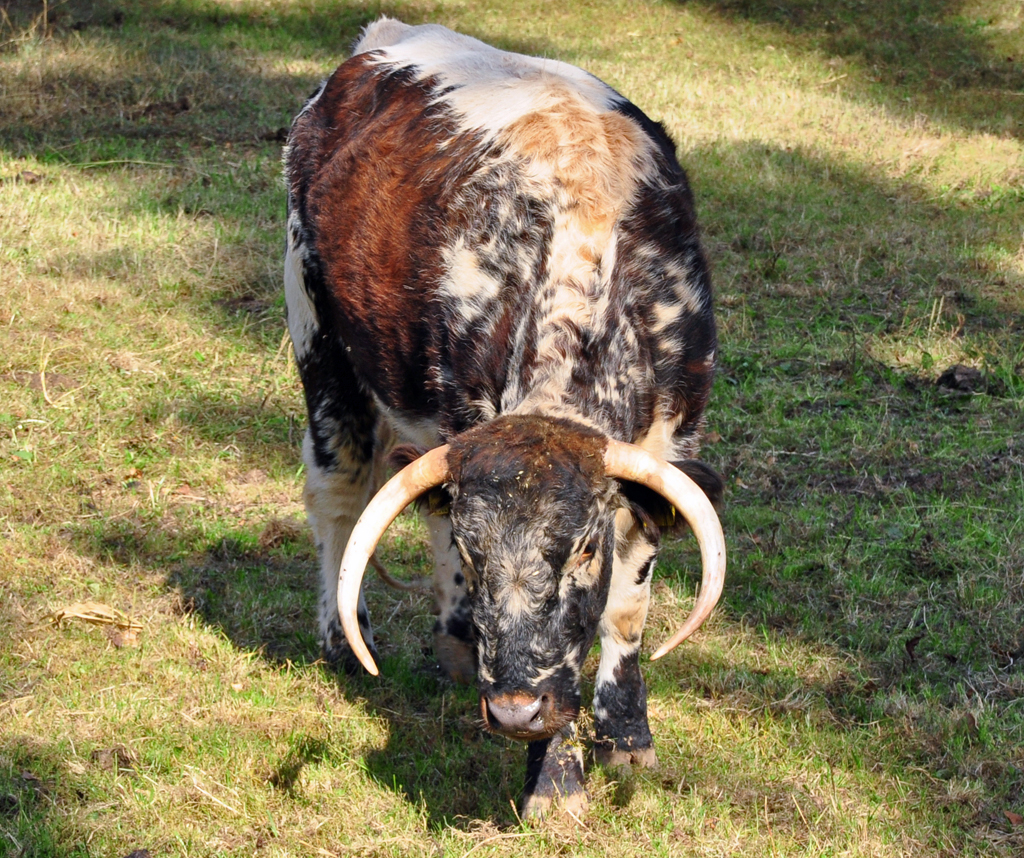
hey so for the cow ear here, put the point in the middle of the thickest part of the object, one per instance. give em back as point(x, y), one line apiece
point(405, 454)
point(436, 501)
point(708, 480)
point(650, 507)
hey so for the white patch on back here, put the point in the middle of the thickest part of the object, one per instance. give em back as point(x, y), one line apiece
point(493, 88)
point(665, 316)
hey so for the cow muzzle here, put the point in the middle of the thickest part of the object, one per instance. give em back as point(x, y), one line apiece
point(523, 715)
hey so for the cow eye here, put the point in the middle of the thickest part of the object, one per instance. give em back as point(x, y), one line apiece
point(587, 554)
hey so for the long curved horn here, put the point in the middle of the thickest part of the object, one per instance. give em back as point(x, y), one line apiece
point(429, 470)
point(629, 462)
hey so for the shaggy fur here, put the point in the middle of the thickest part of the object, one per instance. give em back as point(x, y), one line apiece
point(500, 252)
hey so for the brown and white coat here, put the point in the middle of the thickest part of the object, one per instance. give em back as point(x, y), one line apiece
point(500, 253)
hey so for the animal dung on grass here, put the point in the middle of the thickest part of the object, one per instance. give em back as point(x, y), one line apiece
point(494, 274)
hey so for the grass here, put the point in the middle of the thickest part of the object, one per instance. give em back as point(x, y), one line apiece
point(860, 176)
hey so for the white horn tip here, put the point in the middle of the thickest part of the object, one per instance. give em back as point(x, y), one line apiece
point(669, 645)
point(361, 652)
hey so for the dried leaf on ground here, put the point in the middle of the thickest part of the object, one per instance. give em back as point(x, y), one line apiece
point(95, 613)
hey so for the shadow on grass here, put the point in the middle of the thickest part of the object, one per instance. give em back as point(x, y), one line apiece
point(220, 89)
point(260, 593)
point(40, 801)
point(919, 56)
point(437, 755)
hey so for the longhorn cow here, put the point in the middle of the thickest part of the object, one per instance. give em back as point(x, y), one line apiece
point(493, 260)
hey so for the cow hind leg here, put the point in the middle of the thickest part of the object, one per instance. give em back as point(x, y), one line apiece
point(334, 497)
point(622, 735)
point(339, 447)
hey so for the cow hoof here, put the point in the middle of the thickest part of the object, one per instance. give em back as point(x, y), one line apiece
point(534, 808)
point(456, 657)
point(614, 758)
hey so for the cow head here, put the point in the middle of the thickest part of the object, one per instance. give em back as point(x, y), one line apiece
point(532, 514)
point(533, 505)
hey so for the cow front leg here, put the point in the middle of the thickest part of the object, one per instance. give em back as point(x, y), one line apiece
point(454, 638)
point(554, 776)
point(622, 735)
point(335, 496)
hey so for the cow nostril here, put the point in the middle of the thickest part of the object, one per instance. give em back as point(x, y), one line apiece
point(545, 706)
point(516, 714)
